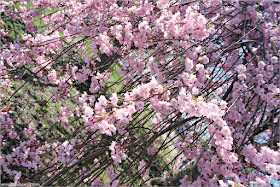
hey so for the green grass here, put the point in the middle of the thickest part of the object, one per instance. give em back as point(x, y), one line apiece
point(15, 86)
point(115, 77)
point(18, 95)
point(36, 97)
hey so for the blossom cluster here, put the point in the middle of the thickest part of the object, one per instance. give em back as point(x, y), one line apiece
point(142, 85)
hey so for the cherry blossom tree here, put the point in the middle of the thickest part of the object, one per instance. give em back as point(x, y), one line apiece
point(132, 90)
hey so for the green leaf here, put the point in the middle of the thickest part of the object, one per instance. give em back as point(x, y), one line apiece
point(196, 99)
point(237, 185)
point(100, 119)
point(14, 86)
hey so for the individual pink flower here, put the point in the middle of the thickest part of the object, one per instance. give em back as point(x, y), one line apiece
point(114, 99)
point(141, 168)
point(241, 68)
point(219, 90)
point(274, 60)
point(97, 182)
point(223, 104)
point(226, 131)
point(111, 129)
point(204, 59)
point(6, 54)
point(112, 146)
point(102, 100)
point(166, 175)
point(259, 182)
point(139, 105)
point(233, 158)
point(199, 67)
point(261, 64)
point(242, 77)
point(195, 91)
point(152, 150)
point(17, 176)
point(270, 68)
point(271, 168)
point(88, 111)
point(53, 77)
point(117, 159)
point(188, 64)
point(184, 181)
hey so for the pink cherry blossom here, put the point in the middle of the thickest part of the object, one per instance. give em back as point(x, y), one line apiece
point(151, 86)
